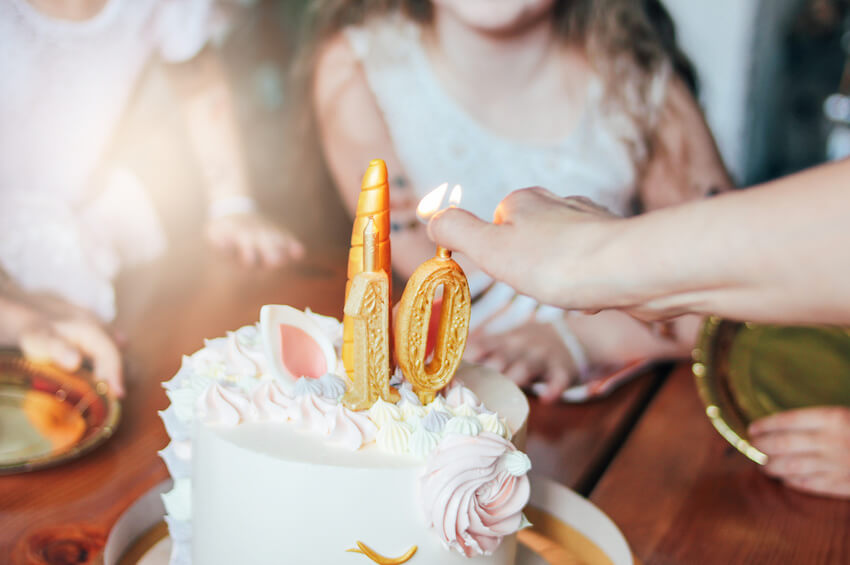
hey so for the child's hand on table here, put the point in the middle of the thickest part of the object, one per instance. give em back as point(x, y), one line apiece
point(808, 449)
point(254, 240)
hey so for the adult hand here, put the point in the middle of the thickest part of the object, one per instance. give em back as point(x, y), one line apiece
point(807, 449)
point(536, 244)
point(254, 240)
point(51, 330)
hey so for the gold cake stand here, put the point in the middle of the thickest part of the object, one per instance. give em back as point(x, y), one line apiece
point(48, 416)
point(567, 530)
point(748, 371)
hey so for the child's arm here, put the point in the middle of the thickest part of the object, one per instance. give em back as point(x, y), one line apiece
point(233, 221)
point(352, 132)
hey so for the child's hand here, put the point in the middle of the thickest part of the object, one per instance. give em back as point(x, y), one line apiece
point(808, 449)
point(255, 240)
point(51, 330)
point(534, 351)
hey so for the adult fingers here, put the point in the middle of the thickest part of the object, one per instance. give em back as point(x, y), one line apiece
point(521, 203)
point(817, 418)
point(461, 231)
point(95, 344)
point(43, 345)
point(246, 250)
point(271, 248)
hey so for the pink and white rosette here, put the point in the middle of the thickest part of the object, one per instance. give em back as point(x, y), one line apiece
point(473, 491)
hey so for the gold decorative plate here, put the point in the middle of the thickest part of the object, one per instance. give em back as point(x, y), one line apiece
point(747, 371)
point(48, 416)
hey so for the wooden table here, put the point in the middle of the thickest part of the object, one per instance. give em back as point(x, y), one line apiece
point(678, 492)
point(63, 515)
point(681, 494)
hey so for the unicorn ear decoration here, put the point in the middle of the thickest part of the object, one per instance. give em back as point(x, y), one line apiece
point(295, 345)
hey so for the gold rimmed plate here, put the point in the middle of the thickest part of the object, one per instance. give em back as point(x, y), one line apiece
point(748, 371)
point(48, 415)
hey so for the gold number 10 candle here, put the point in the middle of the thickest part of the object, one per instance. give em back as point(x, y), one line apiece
point(365, 350)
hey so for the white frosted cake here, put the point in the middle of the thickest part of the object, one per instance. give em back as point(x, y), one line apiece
point(270, 467)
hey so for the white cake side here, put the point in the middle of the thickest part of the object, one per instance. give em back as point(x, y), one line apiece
point(270, 468)
point(266, 493)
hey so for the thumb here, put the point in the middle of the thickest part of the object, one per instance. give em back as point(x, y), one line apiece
point(462, 231)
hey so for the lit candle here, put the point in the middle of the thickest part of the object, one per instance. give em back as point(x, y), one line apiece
point(374, 204)
point(414, 312)
point(367, 309)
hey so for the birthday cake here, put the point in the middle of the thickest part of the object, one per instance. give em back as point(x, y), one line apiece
point(297, 440)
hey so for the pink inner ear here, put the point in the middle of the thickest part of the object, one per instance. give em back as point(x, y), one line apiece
point(300, 354)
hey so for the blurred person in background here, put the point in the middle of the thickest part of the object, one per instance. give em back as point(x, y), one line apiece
point(68, 69)
point(587, 96)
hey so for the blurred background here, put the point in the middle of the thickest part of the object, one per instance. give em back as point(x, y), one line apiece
point(770, 82)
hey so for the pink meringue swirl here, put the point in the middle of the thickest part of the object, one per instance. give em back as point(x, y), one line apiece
point(272, 402)
point(309, 413)
point(222, 405)
point(469, 496)
point(350, 429)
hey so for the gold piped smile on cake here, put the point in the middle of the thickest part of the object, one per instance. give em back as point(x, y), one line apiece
point(380, 559)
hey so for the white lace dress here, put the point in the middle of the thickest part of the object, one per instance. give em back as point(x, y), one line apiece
point(64, 87)
point(437, 141)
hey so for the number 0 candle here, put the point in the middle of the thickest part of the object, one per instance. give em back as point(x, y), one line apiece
point(415, 310)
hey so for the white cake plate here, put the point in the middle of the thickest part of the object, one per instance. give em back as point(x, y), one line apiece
point(567, 529)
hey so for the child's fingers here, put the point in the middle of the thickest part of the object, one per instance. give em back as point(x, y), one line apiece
point(557, 379)
point(800, 465)
point(789, 443)
point(828, 484)
point(95, 344)
point(43, 345)
point(831, 417)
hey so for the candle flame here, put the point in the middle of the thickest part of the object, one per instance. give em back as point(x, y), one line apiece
point(436, 200)
point(455, 196)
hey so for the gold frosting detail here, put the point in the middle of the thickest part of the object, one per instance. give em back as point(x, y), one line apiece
point(414, 315)
point(380, 559)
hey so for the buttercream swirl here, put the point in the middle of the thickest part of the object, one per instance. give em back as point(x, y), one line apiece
point(333, 387)
point(383, 412)
point(494, 424)
point(306, 386)
point(272, 402)
point(394, 437)
point(465, 410)
point(423, 442)
point(463, 425)
point(223, 406)
point(310, 413)
point(407, 394)
point(410, 412)
point(439, 404)
point(460, 395)
point(349, 429)
point(469, 496)
point(435, 421)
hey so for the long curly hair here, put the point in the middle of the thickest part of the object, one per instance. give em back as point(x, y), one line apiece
point(631, 44)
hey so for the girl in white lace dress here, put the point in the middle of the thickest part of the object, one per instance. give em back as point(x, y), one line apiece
point(68, 69)
point(579, 96)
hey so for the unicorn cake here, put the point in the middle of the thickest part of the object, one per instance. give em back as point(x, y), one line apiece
point(299, 440)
